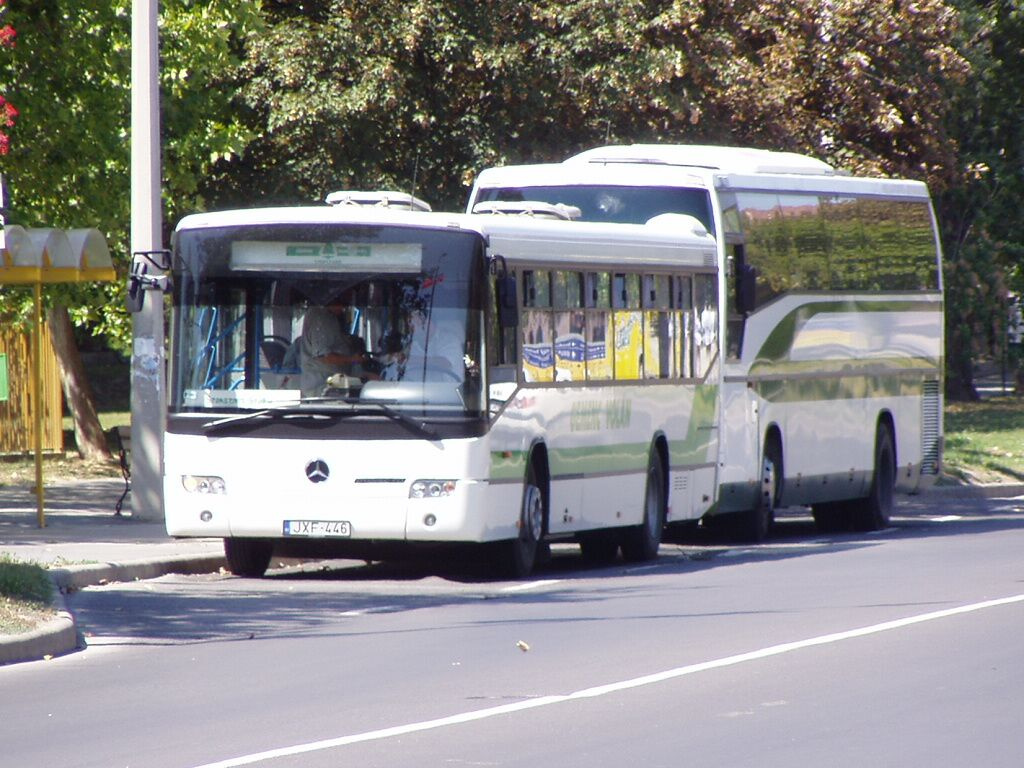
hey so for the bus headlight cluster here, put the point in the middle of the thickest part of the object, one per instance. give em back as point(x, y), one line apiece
point(431, 489)
point(203, 484)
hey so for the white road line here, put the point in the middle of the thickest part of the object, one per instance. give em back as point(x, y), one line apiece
point(374, 609)
point(947, 518)
point(605, 690)
point(531, 585)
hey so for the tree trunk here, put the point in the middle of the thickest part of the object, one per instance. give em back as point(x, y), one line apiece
point(89, 437)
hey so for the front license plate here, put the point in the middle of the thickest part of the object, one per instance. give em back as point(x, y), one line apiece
point(340, 528)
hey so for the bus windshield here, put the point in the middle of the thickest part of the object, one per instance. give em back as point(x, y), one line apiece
point(328, 317)
point(611, 203)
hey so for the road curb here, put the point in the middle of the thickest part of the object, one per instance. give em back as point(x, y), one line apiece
point(81, 576)
point(59, 635)
point(995, 491)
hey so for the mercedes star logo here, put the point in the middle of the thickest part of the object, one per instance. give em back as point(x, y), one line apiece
point(317, 471)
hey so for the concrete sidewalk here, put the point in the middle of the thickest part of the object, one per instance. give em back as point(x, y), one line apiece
point(84, 544)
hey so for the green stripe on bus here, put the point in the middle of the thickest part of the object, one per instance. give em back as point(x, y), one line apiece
point(779, 343)
point(841, 367)
point(853, 386)
point(621, 457)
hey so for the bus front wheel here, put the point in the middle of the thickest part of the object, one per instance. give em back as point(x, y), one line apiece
point(520, 555)
point(754, 524)
point(248, 557)
point(873, 511)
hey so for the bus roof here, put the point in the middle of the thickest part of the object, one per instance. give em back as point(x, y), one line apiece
point(696, 166)
point(319, 214)
point(728, 159)
point(669, 240)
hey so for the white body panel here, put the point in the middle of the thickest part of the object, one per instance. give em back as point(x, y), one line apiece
point(828, 441)
point(598, 463)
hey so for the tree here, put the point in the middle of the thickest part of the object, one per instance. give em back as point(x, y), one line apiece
point(71, 164)
point(350, 94)
point(985, 233)
point(7, 110)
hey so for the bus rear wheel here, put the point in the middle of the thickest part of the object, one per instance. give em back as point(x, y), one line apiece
point(642, 542)
point(248, 557)
point(873, 511)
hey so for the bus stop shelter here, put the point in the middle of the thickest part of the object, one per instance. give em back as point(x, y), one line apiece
point(38, 257)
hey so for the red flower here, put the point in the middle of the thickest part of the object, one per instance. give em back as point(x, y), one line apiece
point(7, 112)
point(7, 35)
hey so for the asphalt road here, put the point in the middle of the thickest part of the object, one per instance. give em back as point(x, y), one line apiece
point(895, 648)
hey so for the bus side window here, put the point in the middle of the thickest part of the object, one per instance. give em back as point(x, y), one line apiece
point(628, 327)
point(682, 326)
point(538, 353)
point(706, 327)
point(570, 341)
point(596, 302)
point(657, 321)
point(501, 338)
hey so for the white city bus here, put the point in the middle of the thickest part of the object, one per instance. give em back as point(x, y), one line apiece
point(832, 334)
point(369, 382)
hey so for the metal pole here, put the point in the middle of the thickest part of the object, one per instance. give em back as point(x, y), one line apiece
point(37, 398)
point(148, 325)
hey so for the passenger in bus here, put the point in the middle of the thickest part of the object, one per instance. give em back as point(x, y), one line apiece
point(326, 347)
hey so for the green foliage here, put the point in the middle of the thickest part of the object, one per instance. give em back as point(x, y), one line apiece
point(985, 440)
point(984, 232)
point(281, 102)
point(349, 94)
point(24, 581)
point(70, 165)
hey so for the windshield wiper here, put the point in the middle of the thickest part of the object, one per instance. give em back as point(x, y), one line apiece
point(383, 406)
point(272, 413)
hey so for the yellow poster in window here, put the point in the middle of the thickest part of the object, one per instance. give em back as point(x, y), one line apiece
point(629, 345)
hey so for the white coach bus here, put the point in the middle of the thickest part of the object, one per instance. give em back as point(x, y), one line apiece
point(356, 381)
point(832, 329)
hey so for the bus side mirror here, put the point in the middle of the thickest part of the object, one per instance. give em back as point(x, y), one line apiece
point(508, 313)
point(746, 289)
point(142, 279)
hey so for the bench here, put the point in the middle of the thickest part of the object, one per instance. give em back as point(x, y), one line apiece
point(122, 439)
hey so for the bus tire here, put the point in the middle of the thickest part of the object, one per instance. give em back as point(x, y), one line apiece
point(641, 542)
point(872, 512)
point(753, 525)
point(519, 556)
point(248, 557)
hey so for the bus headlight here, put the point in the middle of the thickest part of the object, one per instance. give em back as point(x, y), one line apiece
point(431, 489)
point(203, 484)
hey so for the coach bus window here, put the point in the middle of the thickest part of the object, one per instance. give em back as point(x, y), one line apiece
point(898, 244)
point(847, 242)
point(628, 205)
point(740, 298)
point(628, 325)
point(803, 243)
